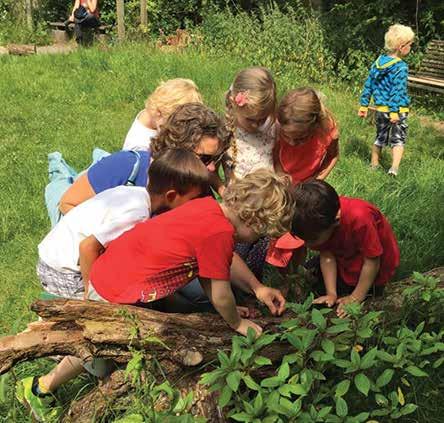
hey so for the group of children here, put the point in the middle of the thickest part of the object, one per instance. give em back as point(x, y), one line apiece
point(185, 216)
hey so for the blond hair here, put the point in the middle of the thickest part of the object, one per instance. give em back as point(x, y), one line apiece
point(172, 93)
point(263, 201)
point(397, 36)
point(302, 113)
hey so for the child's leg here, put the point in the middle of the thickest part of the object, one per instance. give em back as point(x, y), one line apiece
point(69, 368)
point(376, 154)
point(398, 139)
point(382, 136)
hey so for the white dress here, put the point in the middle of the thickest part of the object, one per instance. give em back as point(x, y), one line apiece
point(254, 150)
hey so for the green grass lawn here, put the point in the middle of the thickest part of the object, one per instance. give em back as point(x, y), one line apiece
point(89, 99)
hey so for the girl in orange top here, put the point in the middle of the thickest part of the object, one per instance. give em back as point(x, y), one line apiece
point(307, 145)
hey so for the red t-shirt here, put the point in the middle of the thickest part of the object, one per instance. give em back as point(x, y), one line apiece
point(162, 254)
point(363, 232)
point(306, 160)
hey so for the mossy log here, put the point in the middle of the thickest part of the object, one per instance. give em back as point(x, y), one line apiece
point(89, 329)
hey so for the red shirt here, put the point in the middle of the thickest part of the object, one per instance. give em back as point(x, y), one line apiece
point(306, 160)
point(363, 232)
point(162, 254)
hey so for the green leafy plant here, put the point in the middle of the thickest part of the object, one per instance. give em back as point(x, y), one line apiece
point(336, 370)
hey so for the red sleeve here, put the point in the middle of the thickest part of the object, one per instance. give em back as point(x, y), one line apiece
point(214, 256)
point(367, 237)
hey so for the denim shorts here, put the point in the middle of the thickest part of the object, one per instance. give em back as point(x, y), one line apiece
point(388, 133)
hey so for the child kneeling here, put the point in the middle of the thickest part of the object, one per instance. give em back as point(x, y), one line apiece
point(358, 249)
point(159, 256)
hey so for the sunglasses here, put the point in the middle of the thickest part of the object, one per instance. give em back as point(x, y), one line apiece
point(206, 159)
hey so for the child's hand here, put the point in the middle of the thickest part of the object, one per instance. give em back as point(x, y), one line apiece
point(272, 298)
point(340, 311)
point(362, 113)
point(245, 324)
point(243, 311)
point(329, 299)
point(394, 119)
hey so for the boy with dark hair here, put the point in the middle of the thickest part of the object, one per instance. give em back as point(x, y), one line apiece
point(67, 252)
point(358, 249)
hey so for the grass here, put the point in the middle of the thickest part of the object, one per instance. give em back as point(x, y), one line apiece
point(89, 98)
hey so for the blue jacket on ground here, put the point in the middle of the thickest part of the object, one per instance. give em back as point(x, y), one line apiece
point(387, 84)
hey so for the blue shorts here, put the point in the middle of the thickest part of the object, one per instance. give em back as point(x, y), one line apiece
point(388, 133)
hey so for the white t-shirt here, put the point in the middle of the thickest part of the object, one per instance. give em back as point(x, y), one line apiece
point(106, 216)
point(254, 150)
point(139, 136)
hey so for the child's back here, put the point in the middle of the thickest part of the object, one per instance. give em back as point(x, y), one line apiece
point(363, 232)
point(162, 254)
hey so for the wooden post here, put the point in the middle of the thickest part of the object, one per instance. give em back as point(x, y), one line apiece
point(120, 19)
point(143, 14)
point(28, 13)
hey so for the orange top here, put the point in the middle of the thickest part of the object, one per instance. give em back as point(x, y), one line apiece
point(305, 160)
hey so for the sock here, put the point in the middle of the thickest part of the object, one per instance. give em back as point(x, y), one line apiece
point(38, 388)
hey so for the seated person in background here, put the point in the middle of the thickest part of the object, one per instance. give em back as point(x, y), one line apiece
point(68, 251)
point(160, 255)
point(85, 14)
point(191, 126)
point(158, 107)
point(358, 249)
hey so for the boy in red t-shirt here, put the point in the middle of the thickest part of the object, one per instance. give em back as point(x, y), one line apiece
point(358, 249)
point(159, 256)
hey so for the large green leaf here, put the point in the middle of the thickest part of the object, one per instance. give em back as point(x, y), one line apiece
point(362, 383)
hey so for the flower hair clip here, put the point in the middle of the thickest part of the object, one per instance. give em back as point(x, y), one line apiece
point(241, 98)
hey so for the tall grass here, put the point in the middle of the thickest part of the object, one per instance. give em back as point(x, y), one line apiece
point(89, 98)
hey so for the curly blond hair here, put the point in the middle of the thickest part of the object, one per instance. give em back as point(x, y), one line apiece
point(172, 93)
point(185, 128)
point(397, 36)
point(263, 201)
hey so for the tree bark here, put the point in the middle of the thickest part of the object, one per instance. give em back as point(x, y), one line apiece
point(120, 10)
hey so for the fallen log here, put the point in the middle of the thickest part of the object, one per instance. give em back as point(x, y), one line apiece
point(22, 49)
point(92, 329)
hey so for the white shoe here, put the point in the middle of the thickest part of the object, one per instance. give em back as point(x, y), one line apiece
point(393, 172)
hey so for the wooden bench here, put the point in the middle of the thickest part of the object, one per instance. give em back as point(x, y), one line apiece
point(60, 36)
point(431, 72)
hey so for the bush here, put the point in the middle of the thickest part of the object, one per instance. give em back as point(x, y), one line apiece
point(364, 367)
point(282, 40)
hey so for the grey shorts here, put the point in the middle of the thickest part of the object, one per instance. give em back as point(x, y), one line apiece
point(62, 284)
point(388, 133)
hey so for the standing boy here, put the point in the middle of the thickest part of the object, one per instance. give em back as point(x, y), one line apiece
point(387, 84)
point(358, 249)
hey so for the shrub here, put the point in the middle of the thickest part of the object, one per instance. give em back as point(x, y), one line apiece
point(336, 370)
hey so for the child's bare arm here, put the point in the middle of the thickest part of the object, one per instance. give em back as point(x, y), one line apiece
point(331, 159)
point(80, 191)
point(89, 250)
point(329, 273)
point(221, 296)
point(243, 278)
point(369, 271)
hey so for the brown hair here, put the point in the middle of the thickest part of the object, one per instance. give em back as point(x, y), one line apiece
point(177, 169)
point(262, 200)
point(317, 205)
point(185, 128)
point(302, 112)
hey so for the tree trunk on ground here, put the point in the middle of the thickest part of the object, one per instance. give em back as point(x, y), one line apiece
point(21, 49)
point(91, 329)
